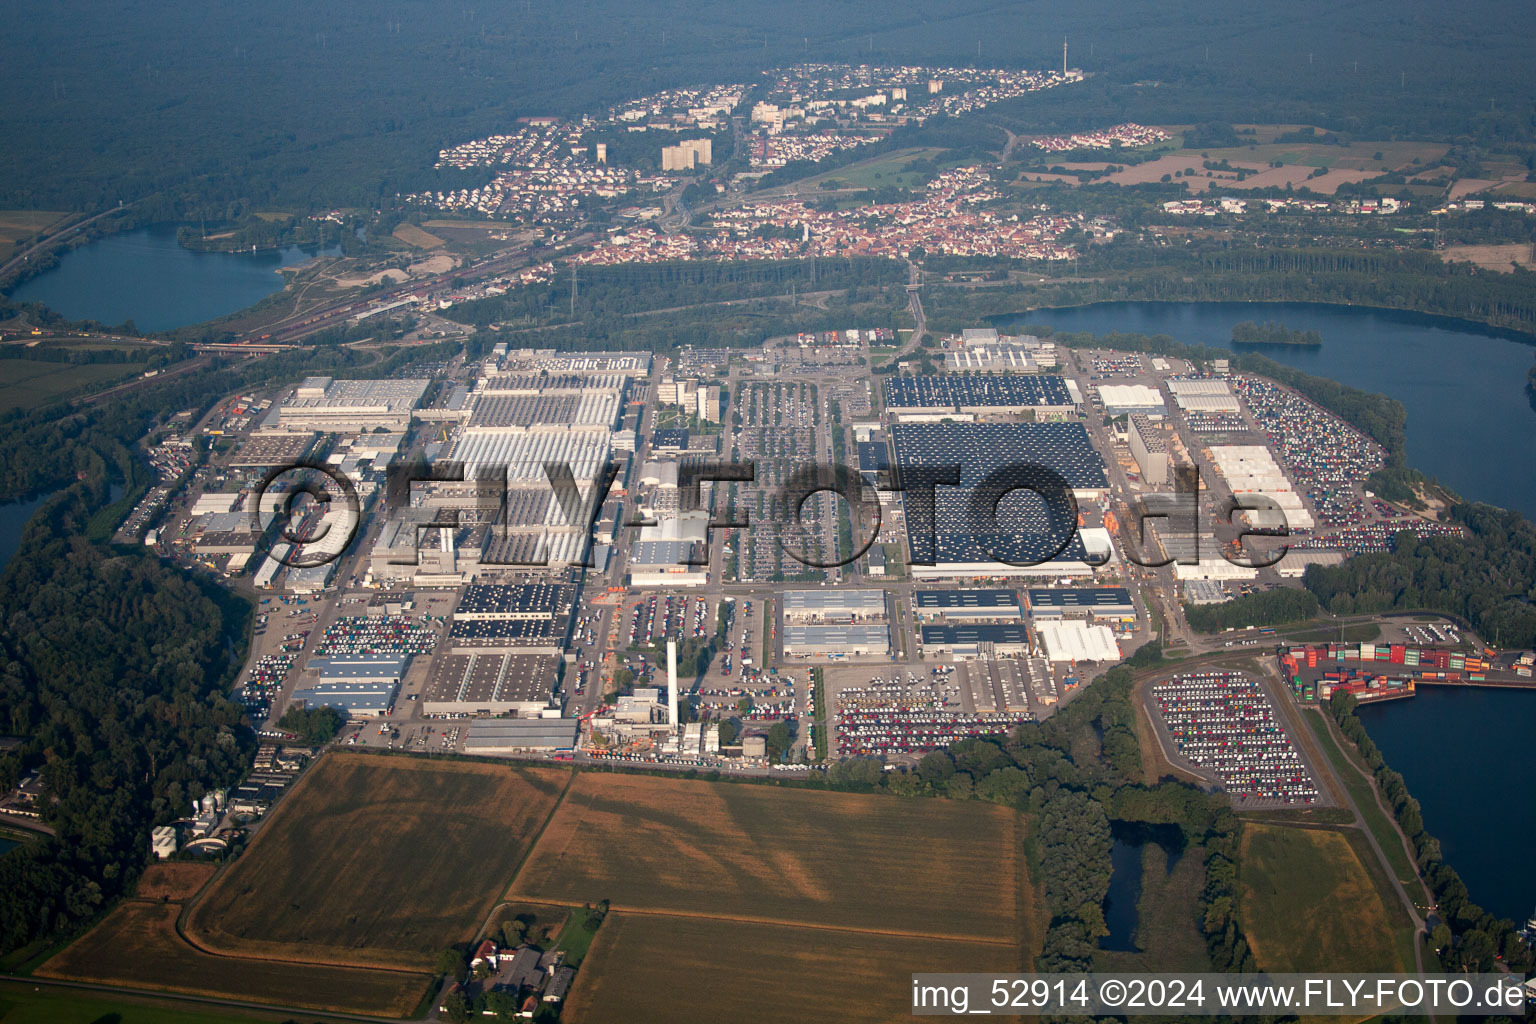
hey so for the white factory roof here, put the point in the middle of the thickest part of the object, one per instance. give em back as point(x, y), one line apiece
point(1130, 396)
point(1076, 640)
point(524, 455)
point(212, 502)
point(1213, 568)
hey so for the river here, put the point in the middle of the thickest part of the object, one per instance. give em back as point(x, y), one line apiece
point(1471, 425)
point(148, 277)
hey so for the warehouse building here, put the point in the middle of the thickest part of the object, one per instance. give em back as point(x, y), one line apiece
point(492, 601)
point(1111, 603)
point(358, 700)
point(351, 406)
point(833, 607)
point(968, 604)
point(1203, 395)
point(821, 641)
point(1026, 530)
point(492, 736)
point(511, 414)
point(1150, 450)
point(489, 684)
point(989, 393)
point(667, 563)
point(971, 640)
point(360, 668)
point(1131, 400)
point(512, 636)
point(1250, 470)
point(1076, 640)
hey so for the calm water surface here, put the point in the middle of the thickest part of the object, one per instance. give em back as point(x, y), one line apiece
point(147, 277)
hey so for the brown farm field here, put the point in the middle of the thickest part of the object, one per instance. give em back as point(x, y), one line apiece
point(377, 860)
point(932, 868)
point(18, 224)
point(1306, 902)
point(137, 947)
point(175, 880)
point(791, 974)
point(410, 234)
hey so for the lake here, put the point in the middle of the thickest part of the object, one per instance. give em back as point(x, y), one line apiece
point(13, 519)
point(1460, 753)
point(147, 276)
point(1470, 423)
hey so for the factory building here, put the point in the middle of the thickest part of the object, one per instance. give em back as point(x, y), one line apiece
point(351, 406)
point(485, 602)
point(1150, 450)
point(1131, 400)
point(927, 397)
point(967, 604)
point(840, 641)
point(1110, 603)
point(489, 684)
point(358, 700)
point(1203, 395)
point(510, 636)
point(1077, 640)
point(1251, 471)
point(666, 563)
point(833, 607)
point(360, 668)
point(1025, 530)
point(971, 640)
point(492, 736)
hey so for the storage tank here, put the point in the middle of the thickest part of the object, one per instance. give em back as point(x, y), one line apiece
point(754, 745)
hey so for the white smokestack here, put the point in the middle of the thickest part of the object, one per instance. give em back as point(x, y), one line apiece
point(672, 685)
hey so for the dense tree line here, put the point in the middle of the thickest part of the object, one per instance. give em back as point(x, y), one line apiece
point(114, 670)
point(1265, 608)
point(313, 725)
point(1271, 332)
point(608, 292)
point(115, 667)
point(1468, 937)
point(1487, 578)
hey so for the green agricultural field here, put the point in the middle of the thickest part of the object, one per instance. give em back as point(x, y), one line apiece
point(879, 172)
point(797, 857)
point(30, 383)
point(1307, 902)
point(377, 860)
point(1363, 791)
point(647, 969)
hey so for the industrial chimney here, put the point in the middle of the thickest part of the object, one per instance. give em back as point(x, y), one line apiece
point(672, 685)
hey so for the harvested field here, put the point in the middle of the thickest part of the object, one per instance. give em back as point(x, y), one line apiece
point(377, 860)
point(137, 946)
point(1306, 902)
point(174, 880)
point(18, 224)
point(789, 974)
point(802, 857)
point(410, 234)
point(1503, 258)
